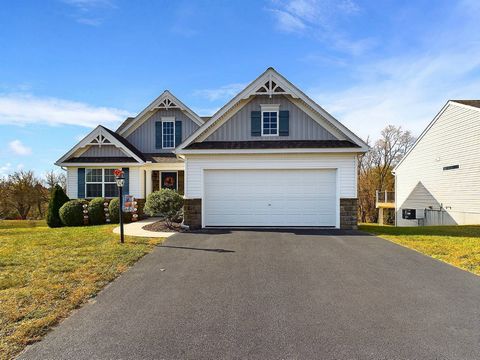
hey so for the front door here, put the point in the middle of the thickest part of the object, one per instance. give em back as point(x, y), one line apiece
point(169, 180)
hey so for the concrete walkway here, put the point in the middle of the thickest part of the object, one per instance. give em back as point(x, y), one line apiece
point(135, 229)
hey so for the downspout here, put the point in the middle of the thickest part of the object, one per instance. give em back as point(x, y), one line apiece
point(395, 191)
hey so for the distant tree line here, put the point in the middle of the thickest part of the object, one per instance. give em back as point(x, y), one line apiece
point(375, 170)
point(23, 195)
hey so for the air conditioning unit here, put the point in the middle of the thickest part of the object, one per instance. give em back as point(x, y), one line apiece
point(409, 214)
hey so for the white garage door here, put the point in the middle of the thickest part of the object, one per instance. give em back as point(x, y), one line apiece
point(269, 197)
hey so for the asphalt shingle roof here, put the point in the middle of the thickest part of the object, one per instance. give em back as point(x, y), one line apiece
point(271, 144)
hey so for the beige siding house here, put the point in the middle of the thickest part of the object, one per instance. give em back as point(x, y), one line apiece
point(270, 157)
point(438, 181)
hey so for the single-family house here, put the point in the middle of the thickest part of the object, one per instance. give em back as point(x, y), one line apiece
point(270, 157)
point(438, 181)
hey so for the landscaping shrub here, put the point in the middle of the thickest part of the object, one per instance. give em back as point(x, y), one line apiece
point(166, 203)
point(113, 210)
point(96, 212)
point(71, 213)
point(57, 199)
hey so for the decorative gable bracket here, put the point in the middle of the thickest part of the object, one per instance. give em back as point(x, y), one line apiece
point(166, 104)
point(99, 140)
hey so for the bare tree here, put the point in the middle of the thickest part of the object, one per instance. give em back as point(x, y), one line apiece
point(53, 178)
point(375, 168)
point(22, 191)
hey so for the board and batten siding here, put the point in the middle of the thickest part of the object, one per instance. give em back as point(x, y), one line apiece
point(302, 126)
point(143, 138)
point(454, 139)
point(346, 165)
point(136, 181)
point(105, 150)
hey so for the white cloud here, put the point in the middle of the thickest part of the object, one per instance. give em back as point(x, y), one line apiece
point(89, 12)
point(5, 169)
point(406, 91)
point(18, 148)
point(22, 109)
point(287, 22)
point(319, 19)
point(223, 92)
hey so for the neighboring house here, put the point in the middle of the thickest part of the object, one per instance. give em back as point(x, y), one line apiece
point(438, 180)
point(269, 157)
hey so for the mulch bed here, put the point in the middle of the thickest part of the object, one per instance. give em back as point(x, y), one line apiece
point(161, 227)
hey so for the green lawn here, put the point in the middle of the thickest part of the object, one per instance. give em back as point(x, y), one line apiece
point(456, 245)
point(46, 273)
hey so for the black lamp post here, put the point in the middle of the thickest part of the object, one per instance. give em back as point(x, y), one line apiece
point(120, 182)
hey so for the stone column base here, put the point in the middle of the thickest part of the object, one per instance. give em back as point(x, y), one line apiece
point(349, 214)
point(192, 213)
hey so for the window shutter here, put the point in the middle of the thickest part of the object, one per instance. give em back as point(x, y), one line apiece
point(256, 123)
point(158, 135)
point(81, 183)
point(178, 133)
point(126, 185)
point(284, 125)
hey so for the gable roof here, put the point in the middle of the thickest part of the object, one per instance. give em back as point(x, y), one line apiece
point(165, 101)
point(124, 124)
point(272, 83)
point(471, 104)
point(103, 135)
point(474, 103)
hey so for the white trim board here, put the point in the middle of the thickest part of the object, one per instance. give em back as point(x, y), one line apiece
point(270, 151)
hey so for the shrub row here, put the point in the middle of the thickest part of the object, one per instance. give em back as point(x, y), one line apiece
point(71, 212)
point(64, 212)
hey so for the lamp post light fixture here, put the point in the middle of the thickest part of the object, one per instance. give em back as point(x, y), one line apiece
point(120, 179)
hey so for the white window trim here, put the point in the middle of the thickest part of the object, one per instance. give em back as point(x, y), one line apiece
point(172, 120)
point(270, 108)
point(103, 182)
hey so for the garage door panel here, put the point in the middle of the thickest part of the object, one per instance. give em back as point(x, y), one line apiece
point(270, 197)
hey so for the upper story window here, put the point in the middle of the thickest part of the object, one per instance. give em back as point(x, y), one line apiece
point(168, 133)
point(100, 183)
point(270, 120)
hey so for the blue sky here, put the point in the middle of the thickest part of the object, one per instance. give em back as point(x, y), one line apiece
point(68, 65)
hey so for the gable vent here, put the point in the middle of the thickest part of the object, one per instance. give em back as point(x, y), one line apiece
point(270, 88)
point(167, 104)
point(99, 140)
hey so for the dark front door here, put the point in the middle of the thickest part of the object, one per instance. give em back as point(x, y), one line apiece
point(169, 180)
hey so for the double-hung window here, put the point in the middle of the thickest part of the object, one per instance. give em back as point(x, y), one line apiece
point(100, 183)
point(168, 133)
point(270, 120)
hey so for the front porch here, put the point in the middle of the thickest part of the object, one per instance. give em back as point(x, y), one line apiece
point(163, 172)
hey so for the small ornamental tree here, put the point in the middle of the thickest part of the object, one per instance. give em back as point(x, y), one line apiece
point(71, 213)
point(166, 203)
point(57, 199)
point(96, 212)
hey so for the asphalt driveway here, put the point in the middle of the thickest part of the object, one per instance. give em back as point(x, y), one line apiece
point(277, 295)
